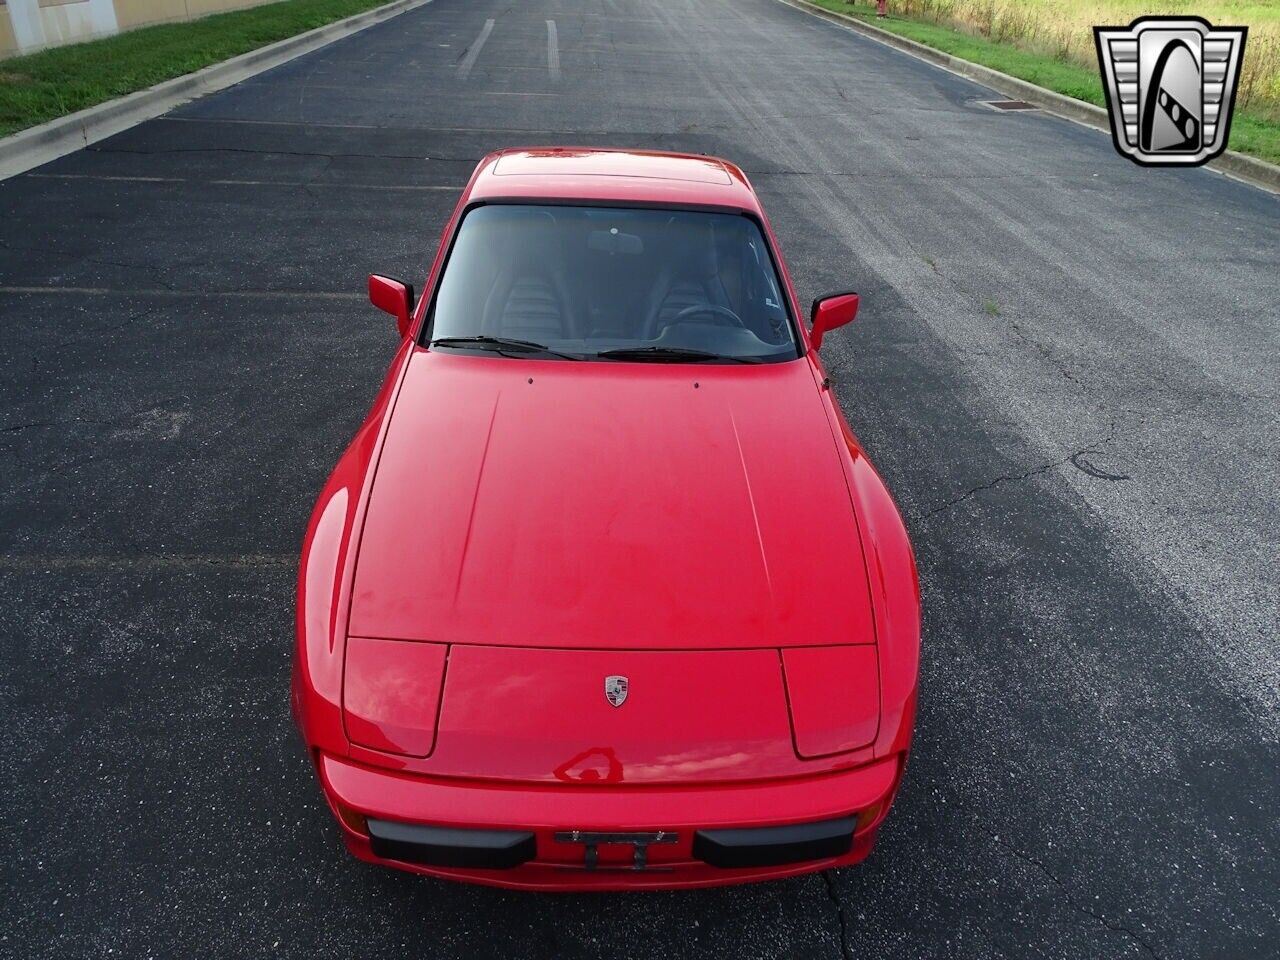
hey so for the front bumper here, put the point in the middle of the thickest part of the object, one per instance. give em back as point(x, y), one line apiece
point(607, 836)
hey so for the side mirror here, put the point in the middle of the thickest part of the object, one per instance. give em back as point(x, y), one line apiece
point(833, 310)
point(394, 297)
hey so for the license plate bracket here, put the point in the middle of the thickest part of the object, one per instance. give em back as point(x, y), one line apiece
point(640, 841)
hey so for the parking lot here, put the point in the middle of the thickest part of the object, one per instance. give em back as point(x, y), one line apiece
point(1065, 366)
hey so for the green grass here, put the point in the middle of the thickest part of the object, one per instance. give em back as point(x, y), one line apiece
point(49, 84)
point(1252, 133)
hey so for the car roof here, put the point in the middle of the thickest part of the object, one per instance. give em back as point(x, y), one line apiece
point(629, 176)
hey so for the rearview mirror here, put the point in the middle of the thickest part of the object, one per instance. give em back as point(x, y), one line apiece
point(833, 310)
point(394, 297)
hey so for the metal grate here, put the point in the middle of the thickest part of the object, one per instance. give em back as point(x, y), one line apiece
point(1008, 105)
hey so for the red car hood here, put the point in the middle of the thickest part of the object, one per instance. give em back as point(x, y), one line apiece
point(543, 503)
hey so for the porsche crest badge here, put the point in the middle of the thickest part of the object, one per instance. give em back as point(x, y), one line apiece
point(1170, 84)
point(615, 690)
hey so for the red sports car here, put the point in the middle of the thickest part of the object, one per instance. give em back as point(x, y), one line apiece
point(604, 593)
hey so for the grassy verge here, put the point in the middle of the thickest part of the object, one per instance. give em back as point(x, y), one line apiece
point(42, 86)
point(1252, 133)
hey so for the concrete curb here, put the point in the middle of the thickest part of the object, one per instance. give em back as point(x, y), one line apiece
point(37, 145)
point(1251, 170)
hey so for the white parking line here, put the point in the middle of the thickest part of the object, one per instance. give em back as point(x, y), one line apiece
point(184, 294)
point(308, 184)
point(464, 68)
point(553, 51)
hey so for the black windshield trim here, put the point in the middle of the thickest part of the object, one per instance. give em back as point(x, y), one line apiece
point(653, 353)
point(427, 303)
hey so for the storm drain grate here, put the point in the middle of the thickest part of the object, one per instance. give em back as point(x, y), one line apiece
point(1008, 105)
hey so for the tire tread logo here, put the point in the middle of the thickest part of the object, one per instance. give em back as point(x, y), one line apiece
point(1170, 84)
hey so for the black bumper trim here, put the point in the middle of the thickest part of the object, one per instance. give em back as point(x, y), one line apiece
point(774, 846)
point(450, 847)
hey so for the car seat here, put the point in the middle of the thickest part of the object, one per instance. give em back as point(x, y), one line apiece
point(688, 277)
point(530, 299)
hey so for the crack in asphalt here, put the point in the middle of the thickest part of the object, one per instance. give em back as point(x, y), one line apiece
point(757, 175)
point(36, 424)
point(1039, 866)
point(150, 270)
point(178, 561)
point(37, 356)
point(1044, 352)
point(1080, 463)
point(846, 952)
point(1076, 459)
point(285, 153)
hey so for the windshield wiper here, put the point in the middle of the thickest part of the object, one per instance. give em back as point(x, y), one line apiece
point(500, 344)
point(670, 354)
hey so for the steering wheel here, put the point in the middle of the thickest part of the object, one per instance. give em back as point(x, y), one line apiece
point(713, 310)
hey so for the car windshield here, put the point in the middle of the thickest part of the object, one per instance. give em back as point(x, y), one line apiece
point(612, 284)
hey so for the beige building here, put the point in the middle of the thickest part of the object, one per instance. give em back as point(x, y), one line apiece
point(29, 25)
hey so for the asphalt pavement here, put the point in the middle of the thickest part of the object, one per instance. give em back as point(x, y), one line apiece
point(1065, 366)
